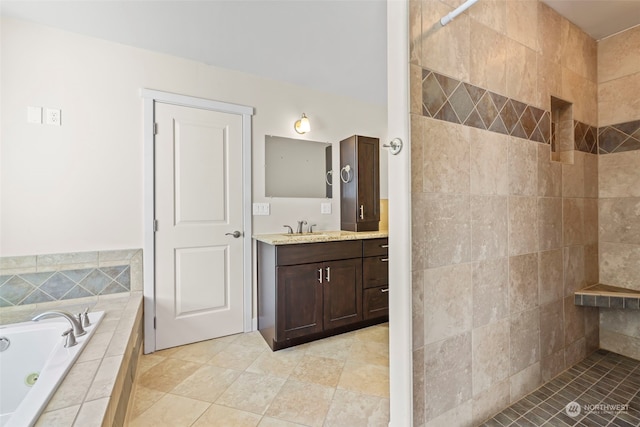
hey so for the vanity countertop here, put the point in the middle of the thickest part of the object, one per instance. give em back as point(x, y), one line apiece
point(319, 236)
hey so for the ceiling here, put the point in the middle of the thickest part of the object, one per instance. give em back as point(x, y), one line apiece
point(336, 46)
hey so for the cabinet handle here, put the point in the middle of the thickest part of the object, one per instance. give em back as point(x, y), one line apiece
point(385, 290)
point(361, 211)
point(320, 275)
point(384, 246)
point(328, 274)
point(384, 259)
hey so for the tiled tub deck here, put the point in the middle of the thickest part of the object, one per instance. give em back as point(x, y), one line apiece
point(96, 390)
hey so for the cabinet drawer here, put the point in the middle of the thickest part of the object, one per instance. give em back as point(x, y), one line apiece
point(307, 253)
point(375, 247)
point(375, 302)
point(375, 271)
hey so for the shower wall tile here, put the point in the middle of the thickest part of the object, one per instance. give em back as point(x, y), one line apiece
point(488, 69)
point(591, 264)
point(573, 221)
point(621, 222)
point(521, 73)
point(591, 175)
point(619, 137)
point(574, 278)
point(549, 223)
point(440, 175)
point(490, 356)
point(448, 300)
point(573, 322)
point(552, 365)
point(523, 282)
point(523, 168)
point(551, 328)
point(448, 367)
point(579, 51)
point(550, 276)
point(489, 162)
point(522, 22)
point(448, 230)
point(524, 340)
point(489, 227)
point(549, 33)
point(417, 153)
point(575, 351)
point(619, 264)
point(619, 175)
point(614, 60)
point(618, 101)
point(491, 13)
point(590, 221)
point(447, 48)
point(490, 281)
point(490, 402)
point(415, 32)
point(573, 177)
point(525, 382)
point(549, 173)
point(415, 84)
point(523, 225)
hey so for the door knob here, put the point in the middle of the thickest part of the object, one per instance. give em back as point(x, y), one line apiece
point(235, 234)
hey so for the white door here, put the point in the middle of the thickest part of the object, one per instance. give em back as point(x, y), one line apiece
point(198, 206)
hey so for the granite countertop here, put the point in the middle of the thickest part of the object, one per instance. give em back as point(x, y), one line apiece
point(318, 236)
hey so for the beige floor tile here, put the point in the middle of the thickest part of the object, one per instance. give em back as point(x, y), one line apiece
point(251, 392)
point(319, 370)
point(171, 410)
point(357, 410)
point(277, 363)
point(334, 347)
point(303, 403)
point(378, 333)
point(221, 416)
point(251, 339)
point(274, 422)
point(167, 352)
point(200, 352)
point(148, 361)
point(143, 399)
point(167, 374)
point(207, 383)
point(236, 356)
point(375, 353)
point(365, 378)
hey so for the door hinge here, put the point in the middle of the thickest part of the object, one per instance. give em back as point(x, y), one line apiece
point(154, 323)
point(155, 225)
point(155, 128)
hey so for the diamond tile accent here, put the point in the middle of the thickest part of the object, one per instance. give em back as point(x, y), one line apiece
point(461, 103)
point(33, 288)
point(619, 137)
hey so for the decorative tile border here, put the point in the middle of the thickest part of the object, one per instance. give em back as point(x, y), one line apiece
point(32, 288)
point(451, 100)
point(619, 138)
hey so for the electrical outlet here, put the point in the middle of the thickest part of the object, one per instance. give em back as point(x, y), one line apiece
point(53, 117)
point(325, 207)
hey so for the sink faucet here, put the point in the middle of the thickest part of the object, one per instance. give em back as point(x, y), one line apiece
point(311, 227)
point(78, 330)
point(300, 224)
point(290, 230)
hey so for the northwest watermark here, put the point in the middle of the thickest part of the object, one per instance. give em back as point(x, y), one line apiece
point(573, 409)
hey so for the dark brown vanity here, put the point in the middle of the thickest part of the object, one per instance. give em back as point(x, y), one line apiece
point(333, 283)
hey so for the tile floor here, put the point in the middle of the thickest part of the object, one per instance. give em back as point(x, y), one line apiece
point(238, 381)
point(603, 378)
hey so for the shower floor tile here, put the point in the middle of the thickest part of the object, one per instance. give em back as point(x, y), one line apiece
point(602, 390)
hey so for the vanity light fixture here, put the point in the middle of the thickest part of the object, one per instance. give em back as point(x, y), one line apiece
point(302, 126)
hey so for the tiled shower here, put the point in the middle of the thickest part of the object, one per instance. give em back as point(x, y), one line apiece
point(502, 234)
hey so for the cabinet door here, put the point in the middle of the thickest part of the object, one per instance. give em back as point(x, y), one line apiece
point(342, 292)
point(368, 180)
point(299, 300)
point(376, 302)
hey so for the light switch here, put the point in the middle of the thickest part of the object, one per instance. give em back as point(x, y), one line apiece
point(34, 115)
point(325, 207)
point(261, 209)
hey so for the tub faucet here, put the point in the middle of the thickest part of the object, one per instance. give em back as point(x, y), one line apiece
point(300, 224)
point(78, 330)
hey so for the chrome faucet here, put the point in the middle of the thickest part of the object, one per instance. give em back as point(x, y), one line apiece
point(290, 230)
point(311, 227)
point(78, 330)
point(300, 224)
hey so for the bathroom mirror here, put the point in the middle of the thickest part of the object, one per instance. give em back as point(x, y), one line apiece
point(297, 168)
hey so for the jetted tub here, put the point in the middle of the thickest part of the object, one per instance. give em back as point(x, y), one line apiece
point(34, 364)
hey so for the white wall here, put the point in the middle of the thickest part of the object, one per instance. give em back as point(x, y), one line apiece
point(79, 187)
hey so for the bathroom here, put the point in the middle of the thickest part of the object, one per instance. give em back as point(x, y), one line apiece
point(438, 187)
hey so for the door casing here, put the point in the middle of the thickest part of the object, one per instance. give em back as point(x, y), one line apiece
point(150, 97)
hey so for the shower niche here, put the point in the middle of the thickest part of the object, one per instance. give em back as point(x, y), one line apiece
point(562, 131)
